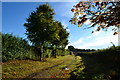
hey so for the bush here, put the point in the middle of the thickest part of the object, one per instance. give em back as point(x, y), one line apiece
point(47, 53)
point(59, 52)
point(62, 52)
point(15, 48)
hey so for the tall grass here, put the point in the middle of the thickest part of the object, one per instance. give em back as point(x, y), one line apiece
point(100, 65)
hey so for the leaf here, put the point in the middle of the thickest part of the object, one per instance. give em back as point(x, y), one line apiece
point(73, 22)
point(98, 29)
point(118, 24)
point(103, 6)
point(79, 22)
point(113, 23)
point(72, 10)
point(79, 25)
point(115, 33)
point(76, 10)
point(82, 13)
point(93, 6)
point(74, 19)
point(97, 3)
point(92, 11)
point(52, 14)
point(110, 7)
point(96, 13)
point(70, 20)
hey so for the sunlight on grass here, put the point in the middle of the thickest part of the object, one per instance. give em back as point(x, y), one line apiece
point(23, 68)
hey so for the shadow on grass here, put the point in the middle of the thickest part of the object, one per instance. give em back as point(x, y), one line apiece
point(98, 67)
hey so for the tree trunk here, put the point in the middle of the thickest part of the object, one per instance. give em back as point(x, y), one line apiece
point(39, 52)
point(40, 55)
point(55, 54)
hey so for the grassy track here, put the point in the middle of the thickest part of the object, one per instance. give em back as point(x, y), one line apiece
point(51, 68)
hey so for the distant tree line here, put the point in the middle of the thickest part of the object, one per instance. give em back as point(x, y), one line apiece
point(71, 48)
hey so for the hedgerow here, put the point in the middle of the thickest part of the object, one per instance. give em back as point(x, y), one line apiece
point(18, 48)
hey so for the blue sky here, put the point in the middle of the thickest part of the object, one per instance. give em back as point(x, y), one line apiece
point(14, 15)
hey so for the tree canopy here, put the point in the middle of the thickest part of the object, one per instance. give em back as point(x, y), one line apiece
point(63, 36)
point(39, 25)
point(102, 14)
point(71, 47)
point(43, 31)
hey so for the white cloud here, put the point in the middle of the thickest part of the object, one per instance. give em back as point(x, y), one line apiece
point(102, 41)
point(68, 30)
point(98, 41)
point(64, 24)
point(89, 37)
point(78, 42)
point(96, 33)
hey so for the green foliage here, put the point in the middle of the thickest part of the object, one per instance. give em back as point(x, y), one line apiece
point(62, 52)
point(59, 52)
point(15, 48)
point(45, 34)
point(71, 48)
point(63, 35)
point(43, 31)
point(39, 26)
point(18, 48)
point(99, 65)
point(47, 53)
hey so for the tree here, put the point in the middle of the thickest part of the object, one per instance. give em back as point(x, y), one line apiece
point(39, 27)
point(102, 14)
point(63, 35)
point(43, 31)
point(62, 41)
point(71, 48)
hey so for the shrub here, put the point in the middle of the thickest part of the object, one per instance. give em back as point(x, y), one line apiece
point(47, 53)
point(15, 48)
